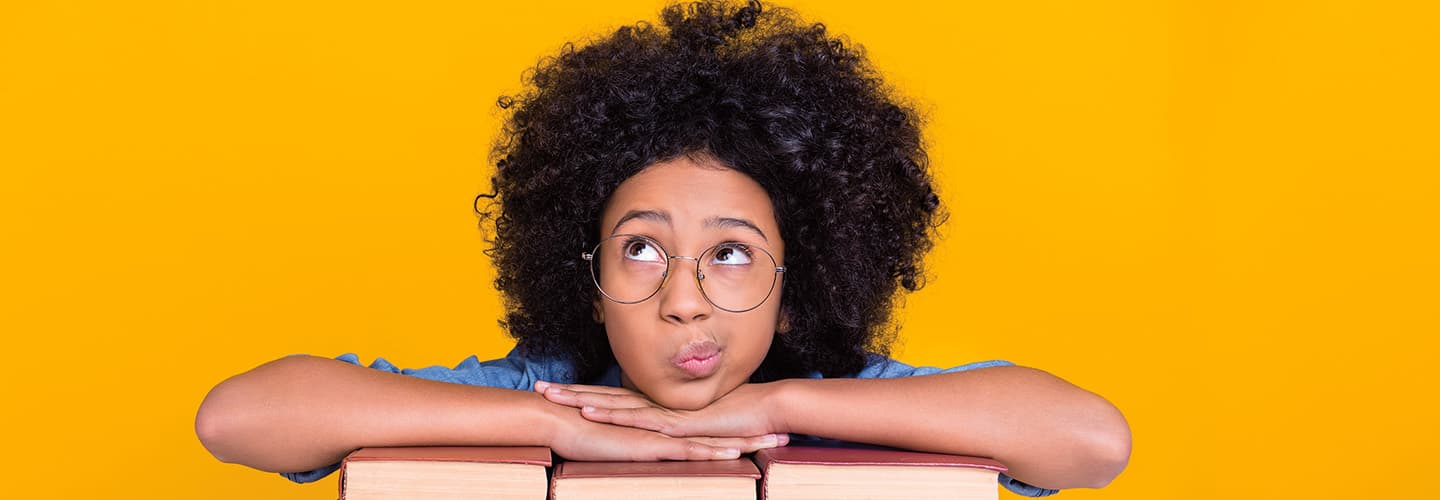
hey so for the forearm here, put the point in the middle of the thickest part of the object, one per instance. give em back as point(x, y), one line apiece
point(302, 412)
point(1048, 432)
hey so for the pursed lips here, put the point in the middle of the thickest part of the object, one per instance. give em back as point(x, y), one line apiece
point(699, 359)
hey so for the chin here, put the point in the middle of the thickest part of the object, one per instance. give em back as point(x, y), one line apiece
point(689, 401)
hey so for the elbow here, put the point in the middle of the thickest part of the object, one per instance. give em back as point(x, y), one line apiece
point(227, 416)
point(1091, 437)
point(214, 421)
point(1108, 445)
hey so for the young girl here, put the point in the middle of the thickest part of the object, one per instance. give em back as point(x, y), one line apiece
point(700, 230)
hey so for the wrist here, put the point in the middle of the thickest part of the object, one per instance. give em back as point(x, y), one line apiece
point(778, 401)
point(550, 419)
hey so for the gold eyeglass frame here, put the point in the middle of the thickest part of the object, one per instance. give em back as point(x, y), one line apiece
point(665, 278)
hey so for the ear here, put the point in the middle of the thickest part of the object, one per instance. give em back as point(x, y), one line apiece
point(597, 312)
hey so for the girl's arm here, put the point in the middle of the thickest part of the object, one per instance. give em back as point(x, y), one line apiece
point(300, 413)
point(1049, 433)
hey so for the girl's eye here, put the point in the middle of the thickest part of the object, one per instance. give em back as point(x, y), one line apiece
point(731, 255)
point(642, 251)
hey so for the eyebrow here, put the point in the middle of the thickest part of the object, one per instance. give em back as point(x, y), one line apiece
point(659, 216)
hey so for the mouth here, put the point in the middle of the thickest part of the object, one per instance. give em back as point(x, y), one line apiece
point(698, 359)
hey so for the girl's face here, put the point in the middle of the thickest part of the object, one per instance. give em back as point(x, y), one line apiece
point(676, 347)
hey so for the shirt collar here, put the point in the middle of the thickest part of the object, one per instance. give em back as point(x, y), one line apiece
point(611, 377)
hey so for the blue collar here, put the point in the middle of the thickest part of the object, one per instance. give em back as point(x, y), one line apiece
point(611, 377)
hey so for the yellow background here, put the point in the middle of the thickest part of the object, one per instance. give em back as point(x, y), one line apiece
point(1221, 216)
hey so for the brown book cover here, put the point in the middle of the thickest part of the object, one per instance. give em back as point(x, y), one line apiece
point(859, 455)
point(439, 470)
point(832, 470)
point(691, 479)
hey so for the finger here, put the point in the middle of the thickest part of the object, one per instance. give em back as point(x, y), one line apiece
point(649, 418)
point(542, 386)
point(579, 395)
point(746, 444)
point(684, 449)
point(579, 399)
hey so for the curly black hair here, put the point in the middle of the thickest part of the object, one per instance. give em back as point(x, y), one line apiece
point(801, 112)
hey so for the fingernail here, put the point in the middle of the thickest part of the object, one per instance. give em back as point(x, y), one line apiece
point(769, 440)
point(588, 409)
point(542, 385)
point(782, 439)
point(728, 453)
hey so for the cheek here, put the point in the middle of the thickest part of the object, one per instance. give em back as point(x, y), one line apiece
point(629, 341)
point(755, 342)
point(623, 339)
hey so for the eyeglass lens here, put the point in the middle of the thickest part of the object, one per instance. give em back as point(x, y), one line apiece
point(734, 276)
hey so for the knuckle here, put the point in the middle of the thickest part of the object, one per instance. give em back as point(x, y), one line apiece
point(672, 427)
point(697, 450)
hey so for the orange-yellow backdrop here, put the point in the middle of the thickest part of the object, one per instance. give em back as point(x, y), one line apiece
point(1220, 215)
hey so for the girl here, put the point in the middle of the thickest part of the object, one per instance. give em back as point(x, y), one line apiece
point(700, 230)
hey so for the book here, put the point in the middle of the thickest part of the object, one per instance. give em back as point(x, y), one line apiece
point(445, 472)
point(837, 471)
point(727, 479)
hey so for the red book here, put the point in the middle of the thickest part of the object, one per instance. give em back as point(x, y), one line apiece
point(719, 479)
point(846, 471)
point(445, 472)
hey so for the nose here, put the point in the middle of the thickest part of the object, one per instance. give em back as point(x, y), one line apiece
point(681, 300)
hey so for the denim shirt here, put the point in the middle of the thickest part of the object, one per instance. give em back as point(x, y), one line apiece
point(518, 372)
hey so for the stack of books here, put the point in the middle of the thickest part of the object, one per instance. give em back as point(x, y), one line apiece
point(823, 470)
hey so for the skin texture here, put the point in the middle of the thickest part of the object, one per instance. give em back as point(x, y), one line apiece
point(646, 336)
point(299, 413)
point(303, 412)
point(817, 151)
point(1074, 439)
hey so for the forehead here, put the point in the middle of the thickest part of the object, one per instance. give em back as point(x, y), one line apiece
point(691, 193)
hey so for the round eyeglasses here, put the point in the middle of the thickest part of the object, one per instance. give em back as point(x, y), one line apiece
point(735, 277)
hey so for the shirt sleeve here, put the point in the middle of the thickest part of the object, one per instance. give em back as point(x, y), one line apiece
point(514, 371)
point(884, 367)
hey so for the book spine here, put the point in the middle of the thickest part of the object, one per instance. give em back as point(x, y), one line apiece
point(340, 483)
point(762, 462)
point(554, 480)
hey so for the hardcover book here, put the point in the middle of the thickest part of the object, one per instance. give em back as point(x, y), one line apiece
point(445, 472)
point(718, 479)
point(836, 471)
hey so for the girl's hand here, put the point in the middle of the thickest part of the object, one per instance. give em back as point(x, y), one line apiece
point(744, 412)
point(577, 438)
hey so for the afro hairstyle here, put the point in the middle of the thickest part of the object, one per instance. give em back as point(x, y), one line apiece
point(757, 90)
